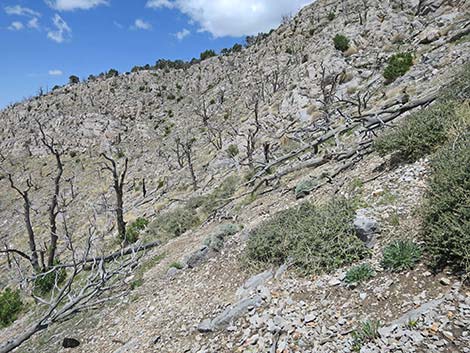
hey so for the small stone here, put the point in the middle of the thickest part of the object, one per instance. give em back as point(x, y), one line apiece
point(70, 343)
point(205, 326)
point(444, 281)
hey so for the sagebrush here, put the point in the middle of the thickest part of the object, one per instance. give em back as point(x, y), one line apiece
point(314, 238)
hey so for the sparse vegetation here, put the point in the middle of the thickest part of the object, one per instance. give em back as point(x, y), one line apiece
point(207, 54)
point(401, 255)
point(177, 265)
point(135, 228)
point(446, 226)
point(398, 65)
point(366, 332)
point(233, 151)
point(420, 134)
point(216, 240)
point(10, 306)
point(315, 238)
point(45, 282)
point(174, 223)
point(304, 188)
point(359, 274)
point(341, 42)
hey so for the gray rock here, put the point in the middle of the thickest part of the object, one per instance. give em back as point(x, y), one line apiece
point(235, 311)
point(197, 257)
point(205, 326)
point(366, 227)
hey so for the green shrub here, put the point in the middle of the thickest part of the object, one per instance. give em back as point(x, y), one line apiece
point(304, 188)
point(398, 65)
point(207, 54)
point(359, 274)
point(233, 151)
point(331, 16)
point(446, 219)
point(10, 306)
point(459, 87)
point(174, 223)
point(216, 240)
point(420, 134)
point(315, 238)
point(401, 255)
point(366, 332)
point(134, 229)
point(217, 198)
point(176, 265)
point(341, 42)
point(45, 282)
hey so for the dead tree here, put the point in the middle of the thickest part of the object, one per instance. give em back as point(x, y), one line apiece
point(203, 112)
point(253, 131)
point(187, 147)
point(328, 86)
point(118, 186)
point(49, 143)
point(33, 258)
point(98, 284)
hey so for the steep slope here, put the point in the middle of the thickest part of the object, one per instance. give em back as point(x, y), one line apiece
point(293, 106)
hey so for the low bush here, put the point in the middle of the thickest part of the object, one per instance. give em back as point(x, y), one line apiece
point(10, 306)
point(174, 223)
point(177, 265)
point(135, 228)
point(401, 255)
point(210, 202)
point(366, 332)
point(420, 134)
point(315, 239)
point(45, 282)
point(341, 42)
point(303, 188)
point(359, 274)
point(446, 211)
point(233, 151)
point(398, 65)
point(216, 240)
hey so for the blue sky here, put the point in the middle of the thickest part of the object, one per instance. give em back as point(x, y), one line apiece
point(43, 42)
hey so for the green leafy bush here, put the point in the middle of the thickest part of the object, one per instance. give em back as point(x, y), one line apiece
point(207, 54)
point(216, 240)
point(331, 16)
point(45, 282)
point(134, 229)
point(420, 134)
point(174, 223)
point(176, 265)
point(10, 306)
point(359, 274)
point(401, 255)
point(398, 65)
point(446, 225)
point(366, 332)
point(233, 151)
point(341, 42)
point(303, 188)
point(315, 238)
point(217, 198)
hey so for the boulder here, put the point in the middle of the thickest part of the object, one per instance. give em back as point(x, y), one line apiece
point(366, 227)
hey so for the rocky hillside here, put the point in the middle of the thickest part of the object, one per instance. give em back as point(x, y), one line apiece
point(214, 151)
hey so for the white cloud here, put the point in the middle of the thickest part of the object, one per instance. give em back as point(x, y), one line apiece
point(33, 23)
point(16, 26)
point(155, 4)
point(55, 72)
point(62, 31)
point(70, 5)
point(141, 24)
point(233, 18)
point(21, 11)
point(182, 34)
